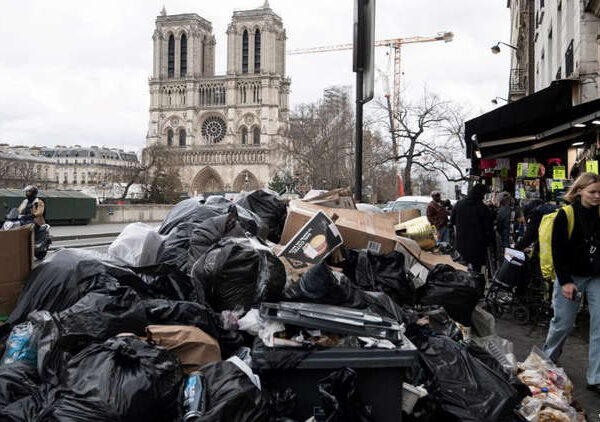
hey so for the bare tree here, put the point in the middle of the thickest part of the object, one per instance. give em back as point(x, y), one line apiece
point(159, 175)
point(321, 140)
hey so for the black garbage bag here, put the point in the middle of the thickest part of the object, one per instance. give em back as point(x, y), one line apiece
point(122, 379)
point(466, 389)
point(457, 291)
point(174, 249)
point(195, 211)
point(167, 282)
point(269, 207)
point(340, 399)
point(212, 230)
point(321, 285)
point(492, 363)
point(17, 380)
point(231, 395)
point(440, 323)
point(373, 271)
point(64, 278)
point(169, 312)
point(93, 319)
point(239, 272)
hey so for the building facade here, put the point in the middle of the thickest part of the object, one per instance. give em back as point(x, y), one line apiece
point(224, 131)
point(522, 32)
point(565, 43)
point(21, 166)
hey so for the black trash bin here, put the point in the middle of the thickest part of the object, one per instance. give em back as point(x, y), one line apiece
point(380, 376)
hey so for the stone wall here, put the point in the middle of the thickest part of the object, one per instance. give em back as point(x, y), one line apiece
point(106, 214)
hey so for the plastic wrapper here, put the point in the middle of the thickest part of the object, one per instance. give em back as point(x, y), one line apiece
point(136, 246)
point(269, 207)
point(501, 349)
point(21, 345)
point(121, 379)
point(457, 291)
point(530, 407)
point(239, 272)
point(379, 272)
point(553, 415)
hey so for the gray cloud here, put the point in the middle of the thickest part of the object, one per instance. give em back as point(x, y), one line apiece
point(76, 72)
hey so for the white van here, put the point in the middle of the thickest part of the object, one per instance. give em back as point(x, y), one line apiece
point(408, 202)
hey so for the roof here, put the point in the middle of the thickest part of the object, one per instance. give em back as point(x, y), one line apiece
point(89, 153)
point(12, 193)
point(544, 118)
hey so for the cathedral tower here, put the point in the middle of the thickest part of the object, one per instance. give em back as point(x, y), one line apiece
point(225, 130)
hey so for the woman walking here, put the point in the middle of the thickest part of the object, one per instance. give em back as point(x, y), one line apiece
point(576, 258)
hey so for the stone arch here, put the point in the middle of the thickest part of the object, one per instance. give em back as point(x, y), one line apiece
point(245, 181)
point(207, 180)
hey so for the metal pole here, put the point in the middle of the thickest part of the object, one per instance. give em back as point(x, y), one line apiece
point(358, 138)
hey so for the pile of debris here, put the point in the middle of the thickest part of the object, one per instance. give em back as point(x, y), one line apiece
point(259, 310)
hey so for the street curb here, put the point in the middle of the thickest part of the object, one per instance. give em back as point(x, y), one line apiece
point(84, 236)
point(55, 247)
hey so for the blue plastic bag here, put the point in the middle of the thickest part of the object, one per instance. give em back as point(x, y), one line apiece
point(21, 345)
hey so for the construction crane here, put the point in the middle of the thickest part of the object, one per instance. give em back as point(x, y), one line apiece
point(395, 44)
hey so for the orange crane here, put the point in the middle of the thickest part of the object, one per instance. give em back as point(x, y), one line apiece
point(396, 44)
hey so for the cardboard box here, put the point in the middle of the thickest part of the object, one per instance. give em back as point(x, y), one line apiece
point(406, 215)
point(359, 230)
point(16, 262)
point(428, 259)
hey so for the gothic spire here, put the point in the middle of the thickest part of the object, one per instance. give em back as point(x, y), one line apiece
point(266, 5)
point(163, 12)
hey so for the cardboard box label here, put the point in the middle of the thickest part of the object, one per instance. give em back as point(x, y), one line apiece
point(313, 242)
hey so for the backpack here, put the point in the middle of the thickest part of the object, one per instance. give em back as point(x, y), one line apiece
point(545, 238)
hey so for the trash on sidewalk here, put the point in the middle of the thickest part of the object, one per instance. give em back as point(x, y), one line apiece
point(340, 319)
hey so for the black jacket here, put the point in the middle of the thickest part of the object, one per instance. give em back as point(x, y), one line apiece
point(474, 229)
point(534, 218)
point(503, 224)
point(579, 255)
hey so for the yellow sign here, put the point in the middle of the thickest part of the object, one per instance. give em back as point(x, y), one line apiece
point(504, 172)
point(522, 193)
point(558, 172)
point(520, 170)
point(533, 169)
point(591, 166)
point(557, 185)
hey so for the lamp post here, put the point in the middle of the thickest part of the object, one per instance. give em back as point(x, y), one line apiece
point(496, 48)
point(495, 100)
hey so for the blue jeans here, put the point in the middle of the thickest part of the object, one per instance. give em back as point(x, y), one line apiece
point(444, 234)
point(565, 312)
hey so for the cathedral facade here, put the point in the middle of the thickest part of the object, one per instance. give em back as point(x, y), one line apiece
point(225, 131)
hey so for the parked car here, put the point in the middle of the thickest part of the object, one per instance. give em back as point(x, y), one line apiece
point(408, 202)
point(369, 208)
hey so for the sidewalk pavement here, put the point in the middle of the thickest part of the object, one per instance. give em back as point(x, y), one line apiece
point(574, 358)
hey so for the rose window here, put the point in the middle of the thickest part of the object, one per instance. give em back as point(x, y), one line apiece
point(213, 129)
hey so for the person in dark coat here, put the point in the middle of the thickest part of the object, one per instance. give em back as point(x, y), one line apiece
point(474, 227)
point(503, 218)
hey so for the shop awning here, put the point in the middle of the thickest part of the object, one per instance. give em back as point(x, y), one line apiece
point(536, 121)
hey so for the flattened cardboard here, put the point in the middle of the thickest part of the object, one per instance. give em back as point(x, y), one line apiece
point(9, 294)
point(16, 254)
point(427, 259)
point(359, 230)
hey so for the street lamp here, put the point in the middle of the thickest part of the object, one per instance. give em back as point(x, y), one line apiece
point(496, 48)
point(495, 100)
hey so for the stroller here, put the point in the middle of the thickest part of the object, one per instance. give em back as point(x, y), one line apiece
point(518, 289)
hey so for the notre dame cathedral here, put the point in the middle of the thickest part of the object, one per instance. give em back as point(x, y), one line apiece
point(224, 129)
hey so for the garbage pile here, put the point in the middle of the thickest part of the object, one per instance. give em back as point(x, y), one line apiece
point(260, 310)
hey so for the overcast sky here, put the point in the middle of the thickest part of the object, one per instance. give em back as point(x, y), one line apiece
point(76, 72)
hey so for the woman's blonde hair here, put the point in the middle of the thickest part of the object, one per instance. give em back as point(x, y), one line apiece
point(582, 182)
